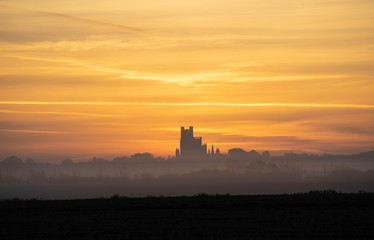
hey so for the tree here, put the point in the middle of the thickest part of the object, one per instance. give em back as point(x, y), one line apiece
point(13, 160)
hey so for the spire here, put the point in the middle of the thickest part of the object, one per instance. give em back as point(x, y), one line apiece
point(212, 151)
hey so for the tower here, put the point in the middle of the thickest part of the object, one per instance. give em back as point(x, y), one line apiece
point(191, 146)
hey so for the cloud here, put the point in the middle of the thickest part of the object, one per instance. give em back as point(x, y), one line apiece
point(71, 62)
point(220, 104)
point(62, 113)
point(97, 23)
point(297, 3)
point(31, 131)
point(182, 79)
point(67, 17)
point(276, 139)
point(143, 141)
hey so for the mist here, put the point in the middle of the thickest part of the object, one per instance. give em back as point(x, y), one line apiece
point(142, 174)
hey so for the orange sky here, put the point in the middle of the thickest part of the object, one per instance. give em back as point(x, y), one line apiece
point(82, 78)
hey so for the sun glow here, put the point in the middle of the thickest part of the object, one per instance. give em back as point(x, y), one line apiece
point(116, 76)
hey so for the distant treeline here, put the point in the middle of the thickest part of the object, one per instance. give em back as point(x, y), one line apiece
point(142, 164)
point(141, 174)
point(233, 154)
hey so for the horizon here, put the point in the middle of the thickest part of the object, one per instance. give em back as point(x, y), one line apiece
point(117, 78)
point(176, 156)
point(55, 158)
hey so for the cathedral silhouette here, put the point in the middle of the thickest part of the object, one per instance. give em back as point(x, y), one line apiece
point(191, 146)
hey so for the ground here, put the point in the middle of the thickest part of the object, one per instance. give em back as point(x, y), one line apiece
point(316, 215)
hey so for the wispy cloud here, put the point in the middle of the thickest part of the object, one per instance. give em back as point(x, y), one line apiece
point(31, 131)
point(72, 62)
point(89, 21)
point(68, 17)
point(142, 141)
point(221, 104)
point(297, 3)
point(230, 76)
point(182, 79)
point(62, 113)
point(287, 78)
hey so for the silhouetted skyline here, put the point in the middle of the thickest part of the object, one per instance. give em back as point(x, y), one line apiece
point(236, 172)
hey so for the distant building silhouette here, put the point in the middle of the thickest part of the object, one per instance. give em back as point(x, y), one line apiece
point(240, 154)
point(218, 152)
point(191, 146)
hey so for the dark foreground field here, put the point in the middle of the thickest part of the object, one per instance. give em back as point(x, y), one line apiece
point(317, 215)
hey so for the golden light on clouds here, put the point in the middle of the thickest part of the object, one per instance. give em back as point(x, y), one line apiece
point(117, 76)
point(222, 104)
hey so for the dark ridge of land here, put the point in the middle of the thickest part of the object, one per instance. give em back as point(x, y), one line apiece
point(316, 215)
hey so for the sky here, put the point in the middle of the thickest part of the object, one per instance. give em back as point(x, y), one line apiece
point(80, 78)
